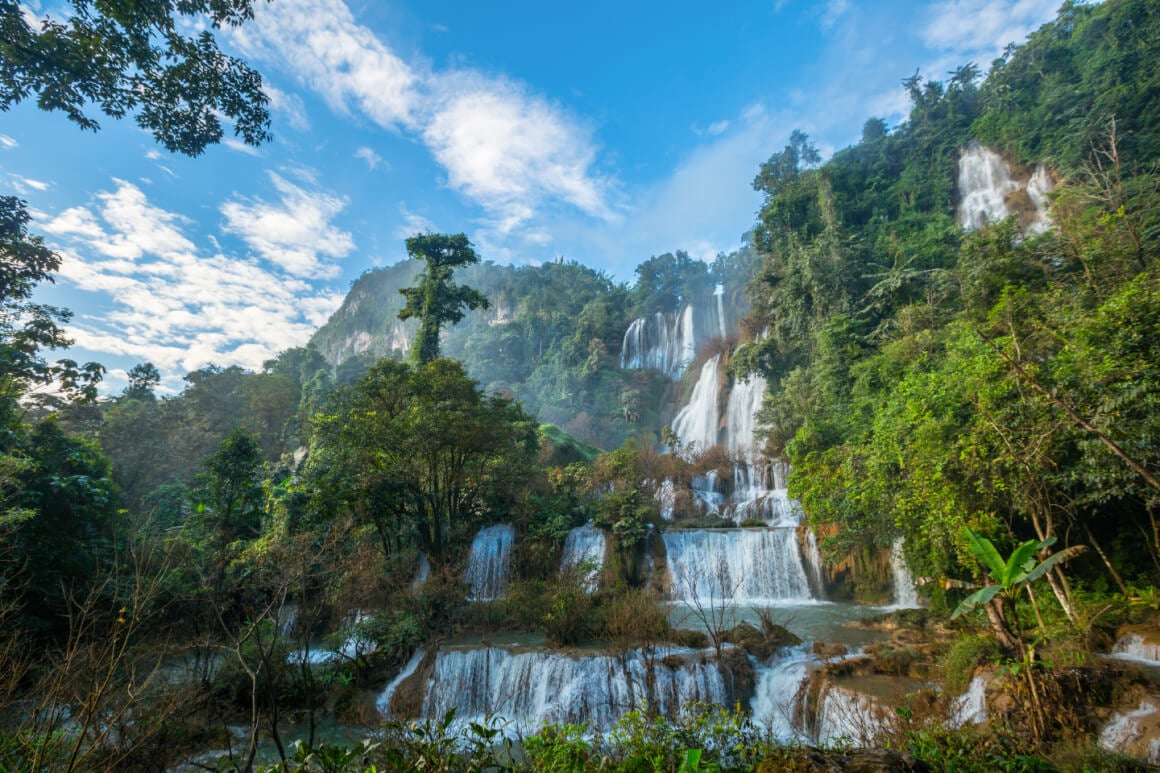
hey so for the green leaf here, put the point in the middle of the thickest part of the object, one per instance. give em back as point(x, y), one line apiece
point(977, 599)
point(1021, 562)
point(1055, 558)
point(983, 550)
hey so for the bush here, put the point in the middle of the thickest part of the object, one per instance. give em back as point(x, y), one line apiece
point(964, 656)
point(635, 618)
point(566, 619)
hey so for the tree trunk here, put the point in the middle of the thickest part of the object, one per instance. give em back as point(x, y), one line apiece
point(997, 614)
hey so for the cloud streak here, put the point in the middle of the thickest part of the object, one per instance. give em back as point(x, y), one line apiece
point(505, 148)
point(182, 306)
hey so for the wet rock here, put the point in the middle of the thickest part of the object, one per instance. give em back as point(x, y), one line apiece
point(829, 650)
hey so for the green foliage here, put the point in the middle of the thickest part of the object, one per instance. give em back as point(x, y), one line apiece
point(26, 328)
point(965, 654)
point(228, 502)
point(447, 746)
point(1020, 569)
point(420, 454)
point(963, 752)
point(138, 60)
point(437, 300)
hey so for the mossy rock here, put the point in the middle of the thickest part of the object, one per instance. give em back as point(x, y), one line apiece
point(685, 637)
point(761, 643)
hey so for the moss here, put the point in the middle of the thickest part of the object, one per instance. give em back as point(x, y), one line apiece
point(964, 656)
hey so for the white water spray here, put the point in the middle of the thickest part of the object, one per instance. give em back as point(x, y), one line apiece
point(489, 562)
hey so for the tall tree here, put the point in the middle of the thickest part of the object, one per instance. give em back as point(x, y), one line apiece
point(438, 300)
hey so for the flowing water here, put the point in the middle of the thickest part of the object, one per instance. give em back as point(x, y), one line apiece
point(489, 562)
point(529, 688)
point(697, 423)
point(584, 553)
point(905, 591)
point(736, 566)
point(986, 185)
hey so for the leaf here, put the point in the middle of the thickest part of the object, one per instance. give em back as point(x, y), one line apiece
point(977, 599)
point(1055, 558)
point(1019, 564)
point(983, 550)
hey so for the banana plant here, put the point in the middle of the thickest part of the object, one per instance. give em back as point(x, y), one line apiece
point(1008, 579)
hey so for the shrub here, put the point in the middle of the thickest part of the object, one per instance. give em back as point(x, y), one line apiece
point(964, 656)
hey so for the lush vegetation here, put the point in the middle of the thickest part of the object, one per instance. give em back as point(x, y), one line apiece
point(171, 566)
point(926, 379)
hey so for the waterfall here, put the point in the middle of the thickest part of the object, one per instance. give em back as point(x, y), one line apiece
point(847, 715)
point(705, 489)
point(985, 183)
point(1037, 189)
point(970, 708)
point(696, 424)
point(1133, 646)
point(741, 418)
point(905, 592)
point(664, 342)
point(813, 558)
point(666, 494)
point(584, 552)
point(422, 572)
point(384, 701)
point(533, 687)
point(489, 562)
point(741, 566)
point(1126, 733)
point(777, 698)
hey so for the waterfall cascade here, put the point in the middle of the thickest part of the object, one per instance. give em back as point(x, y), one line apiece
point(489, 562)
point(970, 708)
point(669, 342)
point(1126, 733)
point(384, 701)
point(533, 687)
point(1135, 646)
point(847, 716)
point(584, 550)
point(905, 592)
point(986, 186)
point(777, 702)
point(664, 342)
point(736, 566)
point(696, 424)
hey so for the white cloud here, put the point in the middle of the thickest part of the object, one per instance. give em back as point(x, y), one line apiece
point(153, 154)
point(174, 303)
point(319, 41)
point(412, 223)
point(25, 185)
point(373, 159)
point(7, 143)
point(983, 27)
point(295, 234)
point(241, 147)
point(511, 151)
point(289, 105)
point(832, 11)
point(717, 127)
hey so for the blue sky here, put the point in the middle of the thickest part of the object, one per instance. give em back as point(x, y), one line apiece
point(603, 132)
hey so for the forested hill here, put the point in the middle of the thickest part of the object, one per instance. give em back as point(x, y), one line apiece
point(927, 372)
point(551, 337)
